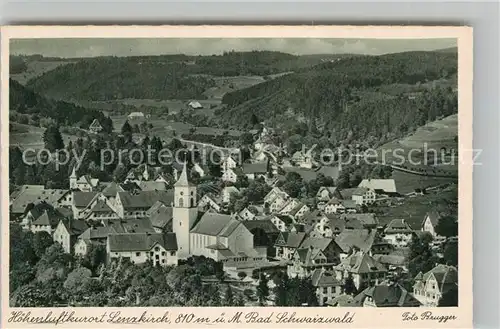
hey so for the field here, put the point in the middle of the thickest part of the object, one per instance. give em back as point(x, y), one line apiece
point(30, 136)
point(228, 84)
point(36, 68)
point(414, 209)
point(165, 129)
point(407, 183)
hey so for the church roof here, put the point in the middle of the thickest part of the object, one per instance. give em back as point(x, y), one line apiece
point(183, 178)
point(216, 224)
point(141, 241)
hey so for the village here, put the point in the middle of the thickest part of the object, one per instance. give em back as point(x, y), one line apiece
point(255, 225)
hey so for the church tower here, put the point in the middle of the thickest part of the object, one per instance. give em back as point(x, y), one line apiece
point(72, 180)
point(185, 212)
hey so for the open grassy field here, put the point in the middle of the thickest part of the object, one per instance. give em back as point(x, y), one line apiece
point(228, 84)
point(26, 136)
point(414, 209)
point(407, 183)
point(36, 68)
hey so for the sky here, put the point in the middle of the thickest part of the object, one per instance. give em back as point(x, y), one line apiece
point(90, 47)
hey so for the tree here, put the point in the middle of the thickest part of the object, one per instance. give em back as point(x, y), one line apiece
point(450, 254)
point(349, 286)
point(246, 138)
point(96, 256)
point(421, 258)
point(447, 226)
point(280, 291)
point(229, 297)
point(52, 139)
point(449, 298)
point(263, 289)
point(126, 129)
point(41, 241)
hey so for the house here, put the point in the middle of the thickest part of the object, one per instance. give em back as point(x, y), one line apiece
point(81, 201)
point(299, 211)
point(201, 170)
point(84, 183)
point(141, 173)
point(67, 232)
point(29, 195)
point(264, 235)
point(228, 163)
point(343, 300)
point(195, 105)
point(92, 237)
point(247, 214)
point(210, 201)
point(326, 284)
point(381, 186)
point(430, 287)
point(287, 243)
point(288, 206)
point(429, 225)
point(95, 127)
point(100, 210)
point(111, 190)
point(354, 240)
point(135, 205)
point(363, 196)
point(333, 206)
point(255, 170)
point(136, 116)
point(386, 295)
point(314, 253)
point(393, 262)
point(325, 193)
point(282, 222)
point(363, 269)
point(160, 249)
point(227, 192)
point(34, 213)
point(231, 175)
point(165, 178)
point(303, 159)
point(367, 220)
point(398, 233)
point(47, 222)
point(275, 192)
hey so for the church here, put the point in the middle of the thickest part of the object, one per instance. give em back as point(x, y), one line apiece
point(218, 236)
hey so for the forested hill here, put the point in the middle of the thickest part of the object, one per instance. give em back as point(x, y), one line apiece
point(24, 101)
point(355, 98)
point(161, 77)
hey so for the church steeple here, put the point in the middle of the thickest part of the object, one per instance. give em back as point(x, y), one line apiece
point(184, 178)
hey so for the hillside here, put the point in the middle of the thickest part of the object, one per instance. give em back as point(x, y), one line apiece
point(23, 101)
point(163, 77)
point(25, 68)
point(345, 99)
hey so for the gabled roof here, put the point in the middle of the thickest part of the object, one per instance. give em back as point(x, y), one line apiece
point(112, 189)
point(141, 241)
point(309, 255)
point(445, 275)
point(389, 295)
point(395, 260)
point(367, 219)
point(296, 209)
point(361, 262)
point(95, 124)
point(295, 239)
point(49, 217)
point(74, 227)
point(264, 224)
point(29, 194)
point(398, 225)
point(145, 199)
point(152, 186)
point(316, 243)
point(215, 224)
point(330, 189)
point(255, 168)
point(322, 278)
point(101, 206)
point(360, 191)
point(230, 189)
point(358, 239)
point(82, 199)
point(433, 217)
point(386, 185)
point(349, 204)
point(161, 217)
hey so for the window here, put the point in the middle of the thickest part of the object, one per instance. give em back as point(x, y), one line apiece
point(172, 253)
point(181, 202)
point(163, 253)
point(192, 192)
point(137, 254)
point(163, 261)
point(157, 249)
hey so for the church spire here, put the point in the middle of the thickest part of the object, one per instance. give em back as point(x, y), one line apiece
point(183, 178)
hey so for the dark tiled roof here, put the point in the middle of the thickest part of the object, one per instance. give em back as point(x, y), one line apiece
point(433, 216)
point(112, 189)
point(295, 239)
point(215, 224)
point(145, 199)
point(398, 226)
point(316, 243)
point(75, 227)
point(161, 216)
point(49, 217)
point(82, 199)
point(361, 262)
point(265, 224)
point(360, 239)
point(255, 168)
point(101, 206)
point(141, 241)
point(393, 295)
point(322, 278)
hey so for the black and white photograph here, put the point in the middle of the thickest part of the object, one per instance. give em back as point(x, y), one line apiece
point(233, 172)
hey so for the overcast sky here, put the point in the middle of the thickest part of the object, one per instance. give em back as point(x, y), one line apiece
point(133, 47)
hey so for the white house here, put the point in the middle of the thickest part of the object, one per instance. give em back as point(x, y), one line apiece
point(227, 192)
point(195, 105)
point(398, 233)
point(160, 249)
point(136, 115)
point(363, 196)
point(230, 175)
point(429, 225)
point(430, 287)
point(384, 186)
